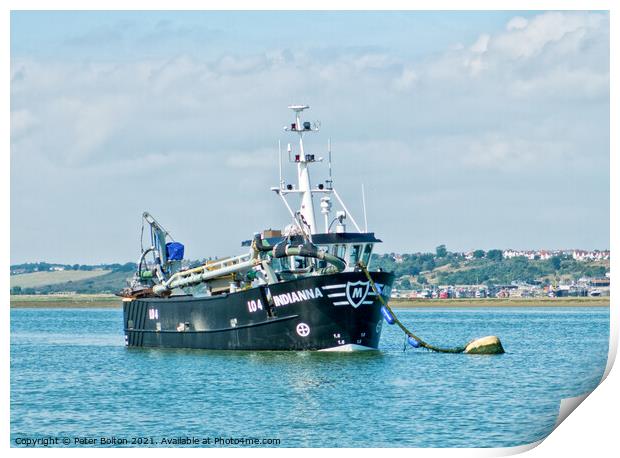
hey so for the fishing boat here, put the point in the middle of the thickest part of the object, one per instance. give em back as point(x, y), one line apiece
point(299, 288)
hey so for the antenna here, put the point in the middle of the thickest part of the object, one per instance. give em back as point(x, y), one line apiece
point(280, 161)
point(329, 152)
point(364, 205)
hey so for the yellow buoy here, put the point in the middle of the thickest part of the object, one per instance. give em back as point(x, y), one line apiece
point(489, 345)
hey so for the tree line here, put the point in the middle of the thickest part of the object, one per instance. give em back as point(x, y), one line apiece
point(484, 267)
point(31, 267)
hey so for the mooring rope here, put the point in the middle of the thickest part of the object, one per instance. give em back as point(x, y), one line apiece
point(415, 341)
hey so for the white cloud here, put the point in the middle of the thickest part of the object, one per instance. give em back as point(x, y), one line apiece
point(481, 44)
point(107, 112)
point(517, 23)
point(260, 159)
point(501, 152)
point(21, 122)
point(532, 97)
point(531, 38)
point(406, 79)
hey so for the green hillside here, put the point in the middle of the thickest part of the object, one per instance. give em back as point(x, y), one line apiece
point(490, 268)
point(45, 278)
point(109, 283)
point(37, 279)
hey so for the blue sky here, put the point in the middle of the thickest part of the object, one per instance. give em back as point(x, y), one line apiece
point(473, 129)
point(113, 35)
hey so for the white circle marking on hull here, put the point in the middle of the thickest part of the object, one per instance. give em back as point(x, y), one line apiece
point(303, 329)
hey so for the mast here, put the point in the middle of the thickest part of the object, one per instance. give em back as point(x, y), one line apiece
point(305, 219)
point(303, 174)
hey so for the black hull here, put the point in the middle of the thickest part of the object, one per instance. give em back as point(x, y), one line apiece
point(338, 311)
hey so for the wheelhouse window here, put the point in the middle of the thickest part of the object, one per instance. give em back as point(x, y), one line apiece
point(281, 264)
point(300, 262)
point(354, 254)
point(321, 264)
point(367, 253)
point(339, 250)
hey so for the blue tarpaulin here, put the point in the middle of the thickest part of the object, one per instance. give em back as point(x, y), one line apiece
point(175, 251)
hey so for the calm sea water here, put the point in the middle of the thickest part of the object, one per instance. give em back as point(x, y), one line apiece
point(72, 377)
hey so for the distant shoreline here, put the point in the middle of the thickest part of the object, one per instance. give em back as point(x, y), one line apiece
point(77, 301)
point(507, 302)
point(110, 301)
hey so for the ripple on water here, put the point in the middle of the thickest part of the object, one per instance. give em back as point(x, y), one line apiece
point(71, 375)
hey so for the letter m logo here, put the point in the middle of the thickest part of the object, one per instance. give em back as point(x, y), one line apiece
point(356, 292)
